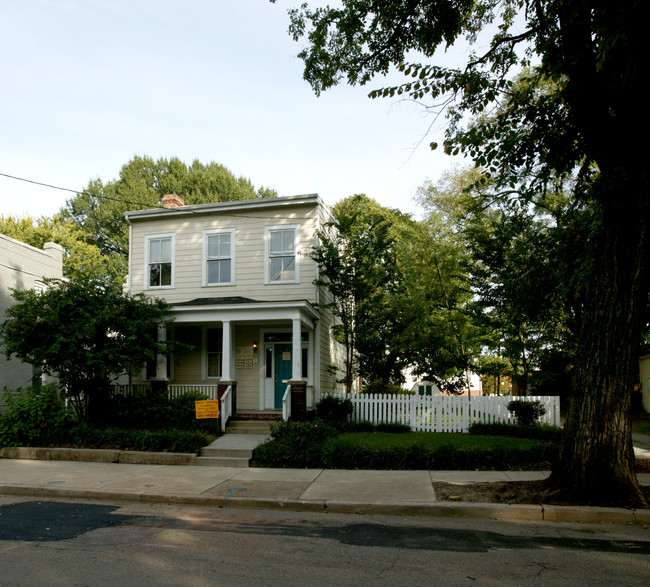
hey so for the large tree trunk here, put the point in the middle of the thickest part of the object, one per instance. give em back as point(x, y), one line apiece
point(596, 463)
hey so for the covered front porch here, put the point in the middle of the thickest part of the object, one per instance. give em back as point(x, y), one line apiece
point(257, 351)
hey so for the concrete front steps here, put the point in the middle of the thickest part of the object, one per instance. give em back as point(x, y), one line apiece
point(230, 450)
point(235, 447)
point(249, 427)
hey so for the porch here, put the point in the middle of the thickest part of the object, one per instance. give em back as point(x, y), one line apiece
point(256, 357)
point(297, 395)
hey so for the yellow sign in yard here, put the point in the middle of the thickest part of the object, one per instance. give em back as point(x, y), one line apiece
point(208, 408)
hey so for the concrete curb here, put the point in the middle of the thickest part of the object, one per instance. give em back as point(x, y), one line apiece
point(97, 455)
point(488, 511)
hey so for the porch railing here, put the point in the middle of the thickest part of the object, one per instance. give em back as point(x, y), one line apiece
point(225, 408)
point(286, 404)
point(130, 390)
point(176, 390)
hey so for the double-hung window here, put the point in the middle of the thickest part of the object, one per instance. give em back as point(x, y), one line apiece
point(159, 251)
point(219, 257)
point(281, 254)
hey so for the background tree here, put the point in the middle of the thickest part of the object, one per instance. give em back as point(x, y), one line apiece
point(358, 258)
point(81, 260)
point(99, 210)
point(516, 266)
point(585, 124)
point(442, 337)
point(85, 333)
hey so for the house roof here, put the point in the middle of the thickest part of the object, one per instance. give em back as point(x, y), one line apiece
point(222, 207)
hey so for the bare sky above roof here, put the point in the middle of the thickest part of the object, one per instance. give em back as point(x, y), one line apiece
point(87, 85)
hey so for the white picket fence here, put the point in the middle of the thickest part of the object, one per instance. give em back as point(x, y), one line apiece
point(444, 413)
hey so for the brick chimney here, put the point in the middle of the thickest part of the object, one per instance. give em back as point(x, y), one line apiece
point(172, 201)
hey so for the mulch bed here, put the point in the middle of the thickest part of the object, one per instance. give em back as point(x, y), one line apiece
point(512, 492)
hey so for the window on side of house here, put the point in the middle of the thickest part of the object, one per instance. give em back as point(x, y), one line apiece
point(281, 254)
point(214, 352)
point(159, 251)
point(219, 257)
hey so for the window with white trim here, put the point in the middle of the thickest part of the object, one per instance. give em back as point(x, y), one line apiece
point(159, 263)
point(281, 254)
point(219, 257)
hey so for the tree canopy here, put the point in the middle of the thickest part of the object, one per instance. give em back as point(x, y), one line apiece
point(99, 210)
point(81, 259)
point(400, 294)
point(85, 333)
point(557, 96)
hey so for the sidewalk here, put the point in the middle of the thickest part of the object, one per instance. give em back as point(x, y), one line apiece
point(339, 491)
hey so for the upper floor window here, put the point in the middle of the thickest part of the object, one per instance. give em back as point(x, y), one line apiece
point(159, 250)
point(219, 257)
point(281, 258)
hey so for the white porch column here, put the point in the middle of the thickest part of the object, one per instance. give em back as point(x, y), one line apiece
point(296, 372)
point(226, 350)
point(161, 360)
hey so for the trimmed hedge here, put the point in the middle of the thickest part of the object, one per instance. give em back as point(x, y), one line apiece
point(36, 417)
point(544, 432)
point(171, 440)
point(344, 453)
point(294, 445)
point(320, 445)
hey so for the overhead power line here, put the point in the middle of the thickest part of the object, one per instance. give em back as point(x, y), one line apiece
point(56, 187)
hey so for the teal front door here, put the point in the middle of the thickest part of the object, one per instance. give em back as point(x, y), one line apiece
point(283, 371)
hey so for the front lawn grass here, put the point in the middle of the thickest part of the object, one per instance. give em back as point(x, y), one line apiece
point(433, 441)
point(437, 451)
point(318, 445)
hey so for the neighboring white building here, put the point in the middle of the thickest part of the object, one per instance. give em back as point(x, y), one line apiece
point(240, 280)
point(23, 267)
point(425, 387)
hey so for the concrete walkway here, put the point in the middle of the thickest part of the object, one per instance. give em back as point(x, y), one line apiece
point(342, 491)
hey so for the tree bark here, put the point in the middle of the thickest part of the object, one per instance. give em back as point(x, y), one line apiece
point(596, 463)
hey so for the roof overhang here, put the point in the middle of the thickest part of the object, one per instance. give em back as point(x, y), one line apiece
point(225, 207)
point(249, 311)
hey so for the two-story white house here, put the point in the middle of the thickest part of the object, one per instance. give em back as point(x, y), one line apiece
point(240, 281)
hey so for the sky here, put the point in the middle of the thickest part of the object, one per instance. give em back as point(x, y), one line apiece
point(87, 85)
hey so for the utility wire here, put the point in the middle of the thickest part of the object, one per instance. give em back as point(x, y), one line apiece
point(55, 187)
point(47, 185)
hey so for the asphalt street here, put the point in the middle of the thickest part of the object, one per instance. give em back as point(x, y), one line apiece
point(66, 542)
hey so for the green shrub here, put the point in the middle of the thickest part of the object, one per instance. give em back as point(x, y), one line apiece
point(393, 428)
point(363, 426)
point(294, 444)
point(527, 413)
point(545, 432)
point(169, 440)
point(33, 416)
point(334, 409)
point(155, 411)
point(377, 386)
